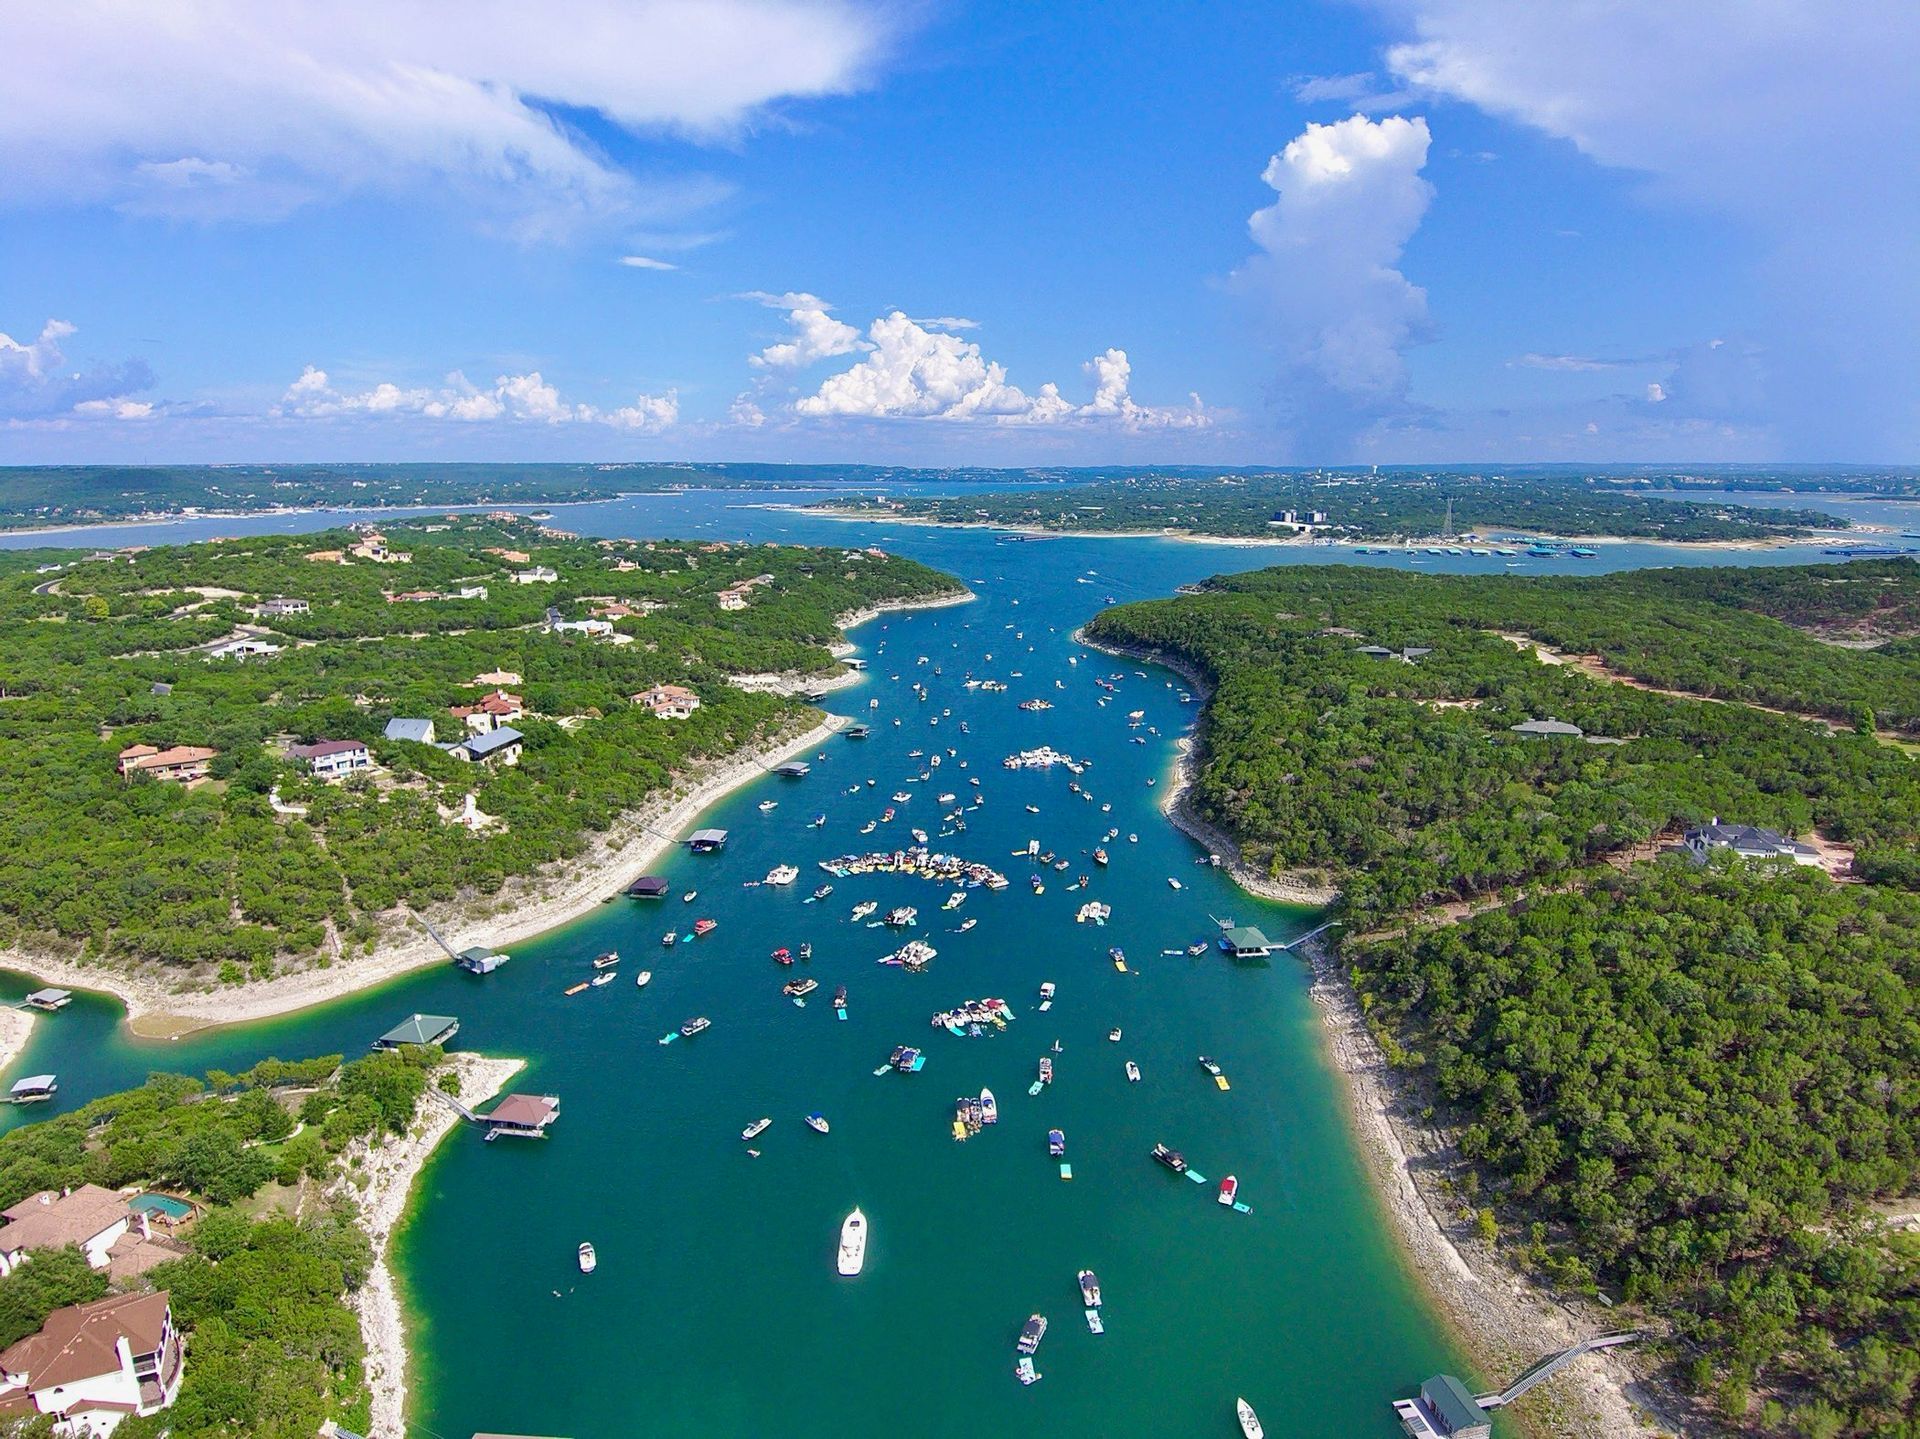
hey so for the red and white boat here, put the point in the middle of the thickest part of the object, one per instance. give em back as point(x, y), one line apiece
point(705, 926)
point(783, 955)
point(1229, 1190)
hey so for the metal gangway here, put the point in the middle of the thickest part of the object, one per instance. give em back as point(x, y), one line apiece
point(425, 924)
point(1547, 1367)
point(1310, 934)
point(457, 1107)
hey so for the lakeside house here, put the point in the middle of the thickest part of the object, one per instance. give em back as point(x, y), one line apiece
point(182, 762)
point(624, 609)
point(672, 702)
point(497, 678)
point(419, 1029)
point(537, 575)
point(415, 731)
point(373, 546)
point(113, 1233)
point(1747, 841)
point(279, 605)
point(332, 758)
point(500, 745)
point(91, 1365)
point(246, 647)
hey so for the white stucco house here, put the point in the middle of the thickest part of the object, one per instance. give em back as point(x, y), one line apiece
point(92, 1365)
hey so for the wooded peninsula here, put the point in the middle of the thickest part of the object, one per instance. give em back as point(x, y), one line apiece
point(1676, 1078)
point(225, 761)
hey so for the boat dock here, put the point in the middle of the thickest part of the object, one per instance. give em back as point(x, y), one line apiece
point(1447, 1409)
point(419, 1029)
point(48, 999)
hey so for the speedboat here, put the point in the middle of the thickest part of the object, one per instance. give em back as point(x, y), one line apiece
point(1089, 1289)
point(756, 1129)
point(694, 1026)
point(1056, 1142)
point(1173, 883)
point(823, 891)
point(1172, 1158)
point(1229, 1190)
point(1249, 1421)
point(705, 926)
point(1032, 1332)
point(643, 978)
point(869, 827)
point(768, 805)
point(1046, 1070)
point(806, 949)
point(782, 874)
point(901, 797)
point(1100, 857)
point(605, 976)
point(817, 1123)
point(865, 908)
point(853, 1243)
point(669, 939)
point(967, 925)
point(690, 896)
point(1114, 1034)
point(588, 1259)
point(607, 960)
point(783, 955)
point(989, 1108)
point(1133, 1072)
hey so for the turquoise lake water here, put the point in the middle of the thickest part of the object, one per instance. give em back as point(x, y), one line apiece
point(715, 1308)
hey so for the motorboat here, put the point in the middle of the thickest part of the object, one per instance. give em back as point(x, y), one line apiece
point(901, 796)
point(1229, 1190)
point(1046, 1070)
point(1047, 992)
point(806, 949)
point(853, 1244)
point(1089, 1288)
point(869, 827)
point(695, 1026)
point(865, 908)
point(705, 926)
point(966, 925)
point(1219, 1077)
point(1133, 1072)
point(799, 988)
point(1056, 1142)
point(769, 805)
point(783, 955)
point(902, 916)
point(989, 1108)
point(1174, 883)
point(817, 1123)
point(1114, 1034)
point(1172, 1158)
point(643, 979)
point(782, 874)
point(607, 960)
point(1100, 857)
point(955, 900)
point(1249, 1421)
point(1032, 1332)
point(756, 1129)
point(1197, 948)
point(690, 896)
point(669, 939)
point(823, 891)
point(606, 976)
point(589, 1261)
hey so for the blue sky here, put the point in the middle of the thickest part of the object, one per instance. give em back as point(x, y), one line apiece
point(1410, 230)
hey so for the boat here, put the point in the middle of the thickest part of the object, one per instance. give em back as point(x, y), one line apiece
point(705, 926)
point(1033, 809)
point(906, 1059)
point(919, 835)
point(1114, 1034)
point(1214, 1069)
point(589, 1261)
point(806, 949)
point(783, 955)
point(669, 939)
point(643, 978)
point(756, 1129)
point(840, 1000)
point(1089, 1288)
point(1046, 1070)
point(1172, 1158)
point(1119, 958)
point(768, 805)
point(782, 874)
point(853, 1244)
point(1025, 1372)
point(1100, 857)
point(1249, 1421)
point(823, 891)
point(690, 896)
point(606, 976)
point(607, 960)
point(819, 821)
point(695, 1026)
point(1229, 1190)
point(901, 796)
point(799, 988)
point(865, 908)
point(901, 916)
point(1197, 948)
point(886, 815)
point(1047, 992)
point(1174, 883)
point(1133, 1072)
point(1032, 1332)
point(955, 900)
point(989, 1108)
point(1056, 1142)
point(966, 925)
point(817, 1123)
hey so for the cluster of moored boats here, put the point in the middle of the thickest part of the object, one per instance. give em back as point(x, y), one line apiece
point(918, 861)
point(969, 1020)
point(1046, 757)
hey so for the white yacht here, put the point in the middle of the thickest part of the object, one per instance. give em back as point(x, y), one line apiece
point(853, 1243)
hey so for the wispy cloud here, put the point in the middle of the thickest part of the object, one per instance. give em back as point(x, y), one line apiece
point(646, 262)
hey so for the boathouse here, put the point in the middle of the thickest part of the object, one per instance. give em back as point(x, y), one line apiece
point(522, 1116)
point(793, 769)
point(480, 960)
point(648, 886)
point(1246, 942)
point(49, 999)
point(1444, 1410)
point(419, 1029)
point(33, 1089)
point(705, 841)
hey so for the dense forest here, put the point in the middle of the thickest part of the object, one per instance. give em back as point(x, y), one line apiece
point(1683, 1085)
point(259, 1293)
point(111, 651)
point(1680, 1086)
point(1361, 507)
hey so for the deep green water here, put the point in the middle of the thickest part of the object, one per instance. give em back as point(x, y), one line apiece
point(715, 1308)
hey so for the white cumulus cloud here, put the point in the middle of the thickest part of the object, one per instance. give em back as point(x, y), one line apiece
point(815, 334)
point(227, 108)
point(527, 398)
point(37, 381)
point(1325, 284)
point(912, 372)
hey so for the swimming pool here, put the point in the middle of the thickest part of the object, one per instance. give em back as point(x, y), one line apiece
point(162, 1205)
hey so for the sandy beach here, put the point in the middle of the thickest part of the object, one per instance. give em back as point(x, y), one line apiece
point(525, 907)
point(389, 1170)
point(16, 1027)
